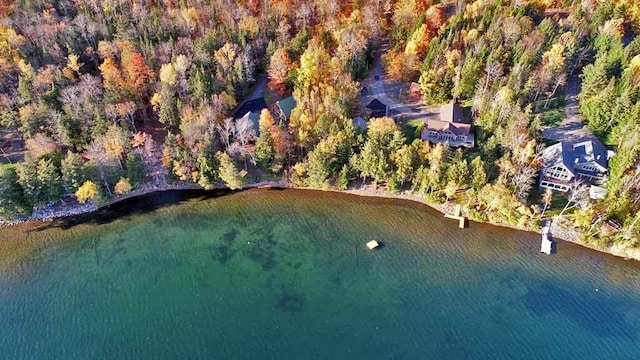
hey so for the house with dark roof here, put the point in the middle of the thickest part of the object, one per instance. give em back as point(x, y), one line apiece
point(255, 120)
point(564, 163)
point(450, 129)
point(251, 109)
point(377, 109)
point(284, 107)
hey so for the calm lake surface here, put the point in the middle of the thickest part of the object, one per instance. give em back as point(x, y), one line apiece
point(267, 274)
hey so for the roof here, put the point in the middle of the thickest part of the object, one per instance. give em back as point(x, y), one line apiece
point(451, 112)
point(255, 119)
point(378, 109)
point(558, 154)
point(253, 105)
point(287, 105)
point(454, 128)
point(360, 123)
point(570, 154)
point(590, 151)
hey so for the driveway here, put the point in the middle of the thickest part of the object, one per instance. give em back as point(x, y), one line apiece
point(379, 87)
point(571, 129)
point(257, 90)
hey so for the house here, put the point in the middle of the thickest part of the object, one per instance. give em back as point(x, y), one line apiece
point(284, 107)
point(449, 129)
point(255, 120)
point(251, 109)
point(564, 163)
point(377, 109)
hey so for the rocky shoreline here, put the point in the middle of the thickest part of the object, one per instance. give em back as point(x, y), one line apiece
point(63, 209)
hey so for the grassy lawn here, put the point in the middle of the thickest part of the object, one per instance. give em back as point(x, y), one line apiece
point(558, 201)
point(413, 129)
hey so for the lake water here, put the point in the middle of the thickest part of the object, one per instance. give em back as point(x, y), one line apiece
point(267, 274)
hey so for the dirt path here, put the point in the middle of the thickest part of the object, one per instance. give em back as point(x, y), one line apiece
point(258, 88)
point(571, 129)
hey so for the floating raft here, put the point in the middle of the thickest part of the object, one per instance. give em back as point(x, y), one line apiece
point(457, 215)
point(372, 244)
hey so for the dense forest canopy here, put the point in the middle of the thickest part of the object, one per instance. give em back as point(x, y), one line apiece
point(104, 96)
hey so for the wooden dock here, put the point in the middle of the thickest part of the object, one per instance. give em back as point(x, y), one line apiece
point(457, 215)
point(547, 244)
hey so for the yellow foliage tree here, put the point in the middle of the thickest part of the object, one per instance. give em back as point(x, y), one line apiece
point(123, 186)
point(88, 191)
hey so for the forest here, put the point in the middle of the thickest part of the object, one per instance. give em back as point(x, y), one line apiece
point(99, 98)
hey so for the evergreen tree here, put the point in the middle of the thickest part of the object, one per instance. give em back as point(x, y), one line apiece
point(12, 199)
point(229, 173)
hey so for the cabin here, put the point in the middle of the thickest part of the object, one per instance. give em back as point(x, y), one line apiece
point(255, 120)
point(564, 163)
point(377, 109)
point(251, 109)
point(450, 128)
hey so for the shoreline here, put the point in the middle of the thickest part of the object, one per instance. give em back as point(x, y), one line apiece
point(48, 214)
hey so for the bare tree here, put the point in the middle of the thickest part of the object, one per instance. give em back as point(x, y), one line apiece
point(244, 131)
point(225, 130)
point(493, 71)
point(523, 182)
point(578, 196)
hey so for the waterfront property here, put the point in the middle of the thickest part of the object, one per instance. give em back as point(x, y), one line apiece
point(251, 109)
point(450, 128)
point(564, 163)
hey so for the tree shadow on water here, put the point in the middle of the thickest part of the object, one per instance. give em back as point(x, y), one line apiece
point(132, 206)
point(595, 312)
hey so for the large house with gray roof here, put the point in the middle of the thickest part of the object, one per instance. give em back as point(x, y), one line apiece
point(450, 129)
point(564, 163)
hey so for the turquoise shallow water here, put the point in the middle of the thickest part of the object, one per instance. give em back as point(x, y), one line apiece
point(286, 275)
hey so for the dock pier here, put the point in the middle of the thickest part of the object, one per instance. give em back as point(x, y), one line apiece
point(547, 245)
point(457, 215)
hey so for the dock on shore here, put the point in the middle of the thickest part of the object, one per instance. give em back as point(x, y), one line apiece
point(547, 244)
point(457, 215)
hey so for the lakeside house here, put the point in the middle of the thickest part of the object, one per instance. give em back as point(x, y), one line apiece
point(251, 109)
point(377, 109)
point(563, 163)
point(450, 128)
point(284, 107)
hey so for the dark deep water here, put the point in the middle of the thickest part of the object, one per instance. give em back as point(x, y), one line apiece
point(267, 274)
